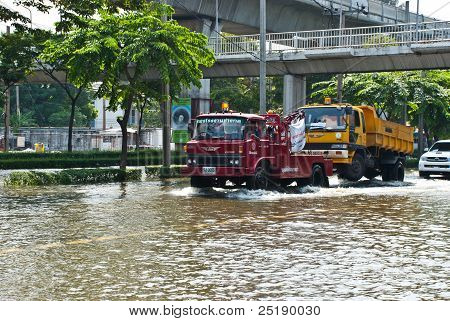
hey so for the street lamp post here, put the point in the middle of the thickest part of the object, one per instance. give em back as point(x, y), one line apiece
point(262, 57)
point(31, 17)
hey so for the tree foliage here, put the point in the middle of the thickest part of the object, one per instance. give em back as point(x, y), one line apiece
point(16, 57)
point(122, 47)
point(44, 105)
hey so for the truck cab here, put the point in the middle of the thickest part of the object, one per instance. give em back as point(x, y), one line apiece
point(246, 149)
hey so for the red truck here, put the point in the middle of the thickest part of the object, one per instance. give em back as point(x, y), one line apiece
point(251, 150)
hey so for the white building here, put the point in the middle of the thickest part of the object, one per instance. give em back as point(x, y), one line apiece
point(107, 119)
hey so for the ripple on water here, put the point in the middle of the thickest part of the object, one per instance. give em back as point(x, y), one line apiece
point(152, 241)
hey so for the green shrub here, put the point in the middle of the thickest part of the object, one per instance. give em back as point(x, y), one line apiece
point(71, 176)
point(412, 163)
point(82, 160)
point(163, 172)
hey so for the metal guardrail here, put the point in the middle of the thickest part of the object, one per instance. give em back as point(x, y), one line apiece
point(363, 37)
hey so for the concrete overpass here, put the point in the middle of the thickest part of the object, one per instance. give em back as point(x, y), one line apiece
point(242, 16)
point(351, 50)
point(297, 54)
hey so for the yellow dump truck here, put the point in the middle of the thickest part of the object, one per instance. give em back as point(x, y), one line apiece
point(358, 141)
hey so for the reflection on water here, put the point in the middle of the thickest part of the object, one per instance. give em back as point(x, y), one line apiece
point(167, 241)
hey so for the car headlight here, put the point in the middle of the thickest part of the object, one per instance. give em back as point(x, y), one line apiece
point(423, 158)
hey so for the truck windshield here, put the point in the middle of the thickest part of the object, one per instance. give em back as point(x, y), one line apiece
point(325, 118)
point(225, 128)
point(440, 147)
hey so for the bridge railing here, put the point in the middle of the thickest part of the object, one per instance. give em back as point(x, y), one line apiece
point(364, 37)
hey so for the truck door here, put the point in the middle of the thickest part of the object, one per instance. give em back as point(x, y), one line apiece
point(358, 136)
point(253, 141)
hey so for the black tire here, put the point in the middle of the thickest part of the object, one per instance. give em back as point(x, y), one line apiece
point(356, 170)
point(424, 174)
point(398, 172)
point(201, 182)
point(260, 180)
point(318, 178)
point(371, 173)
point(386, 173)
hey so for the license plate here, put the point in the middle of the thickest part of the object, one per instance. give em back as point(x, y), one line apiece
point(209, 171)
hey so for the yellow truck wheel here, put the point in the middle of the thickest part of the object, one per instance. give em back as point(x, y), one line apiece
point(354, 171)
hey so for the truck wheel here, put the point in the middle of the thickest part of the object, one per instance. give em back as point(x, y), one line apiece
point(371, 173)
point(386, 173)
point(260, 180)
point(398, 172)
point(318, 178)
point(356, 170)
point(200, 182)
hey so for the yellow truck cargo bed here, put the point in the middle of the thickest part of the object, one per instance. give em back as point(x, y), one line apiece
point(387, 135)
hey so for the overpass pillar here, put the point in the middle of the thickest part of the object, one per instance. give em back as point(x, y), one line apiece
point(294, 93)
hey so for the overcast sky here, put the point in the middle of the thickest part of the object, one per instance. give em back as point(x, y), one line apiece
point(439, 9)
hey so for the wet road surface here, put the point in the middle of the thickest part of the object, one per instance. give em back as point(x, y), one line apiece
point(156, 240)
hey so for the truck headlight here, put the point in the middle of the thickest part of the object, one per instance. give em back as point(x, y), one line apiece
point(236, 162)
point(339, 146)
point(189, 161)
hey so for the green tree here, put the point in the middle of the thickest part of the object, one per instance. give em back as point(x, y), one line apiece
point(53, 62)
point(15, 63)
point(122, 47)
point(46, 105)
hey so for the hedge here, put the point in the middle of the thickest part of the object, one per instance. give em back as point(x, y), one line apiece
point(82, 160)
point(163, 172)
point(83, 155)
point(69, 177)
point(412, 163)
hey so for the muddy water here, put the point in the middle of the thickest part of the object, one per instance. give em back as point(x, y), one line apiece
point(167, 241)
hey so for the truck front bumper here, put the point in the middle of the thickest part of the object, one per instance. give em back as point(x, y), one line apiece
point(219, 171)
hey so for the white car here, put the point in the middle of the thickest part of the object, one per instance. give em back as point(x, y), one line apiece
point(436, 161)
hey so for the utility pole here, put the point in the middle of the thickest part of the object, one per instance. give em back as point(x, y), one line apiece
point(417, 21)
point(340, 77)
point(262, 57)
point(166, 117)
point(18, 101)
point(217, 35)
point(7, 107)
point(104, 114)
point(421, 125)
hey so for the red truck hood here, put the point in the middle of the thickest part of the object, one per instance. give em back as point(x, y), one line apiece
point(214, 147)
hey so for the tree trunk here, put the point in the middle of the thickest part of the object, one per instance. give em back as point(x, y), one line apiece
point(126, 107)
point(71, 121)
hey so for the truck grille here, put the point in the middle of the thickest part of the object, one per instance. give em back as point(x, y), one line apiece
point(215, 160)
point(436, 159)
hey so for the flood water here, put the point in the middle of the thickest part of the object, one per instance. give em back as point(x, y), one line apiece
point(155, 240)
